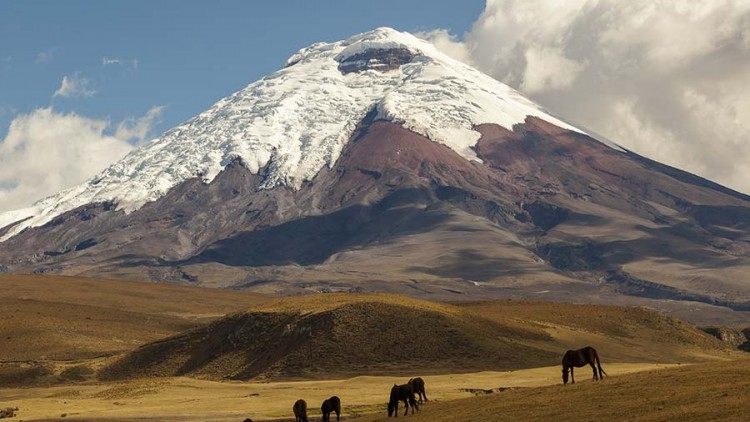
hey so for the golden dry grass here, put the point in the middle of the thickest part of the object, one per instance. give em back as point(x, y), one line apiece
point(60, 324)
point(186, 399)
point(165, 299)
point(320, 303)
point(51, 323)
point(717, 391)
point(623, 334)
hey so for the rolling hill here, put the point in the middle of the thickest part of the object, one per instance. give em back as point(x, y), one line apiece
point(52, 323)
point(343, 335)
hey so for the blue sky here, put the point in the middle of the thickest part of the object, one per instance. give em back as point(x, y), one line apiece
point(183, 55)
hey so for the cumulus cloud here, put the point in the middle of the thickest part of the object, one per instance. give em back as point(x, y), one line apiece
point(669, 79)
point(74, 86)
point(548, 69)
point(46, 151)
point(137, 129)
point(448, 43)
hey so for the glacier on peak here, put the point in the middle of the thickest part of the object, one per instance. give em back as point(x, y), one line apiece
point(298, 119)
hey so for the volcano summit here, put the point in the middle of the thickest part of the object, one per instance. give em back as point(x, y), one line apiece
point(378, 163)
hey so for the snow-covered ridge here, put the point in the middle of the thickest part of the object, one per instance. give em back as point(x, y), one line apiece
point(298, 119)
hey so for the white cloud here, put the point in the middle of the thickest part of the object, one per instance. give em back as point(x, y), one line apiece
point(129, 63)
point(548, 69)
point(74, 86)
point(45, 152)
point(448, 43)
point(43, 57)
point(137, 129)
point(669, 79)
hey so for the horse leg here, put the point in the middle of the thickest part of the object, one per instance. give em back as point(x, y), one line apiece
point(572, 377)
point(338, 413)
point(593, 368)
point(406, 407)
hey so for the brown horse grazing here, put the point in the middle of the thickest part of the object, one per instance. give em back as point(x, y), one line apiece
point(579, 358)
point(417, 384)
point(300, 411)
point(403, 393)
point(331, 405)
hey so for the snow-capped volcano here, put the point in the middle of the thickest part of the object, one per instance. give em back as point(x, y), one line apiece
point(379, 164)
point(297, 120)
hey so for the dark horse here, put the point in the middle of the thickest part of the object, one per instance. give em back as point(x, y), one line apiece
point(331, 405)
point(401, 393)
point(579, 358)
point(300, 411)
point(417, 384)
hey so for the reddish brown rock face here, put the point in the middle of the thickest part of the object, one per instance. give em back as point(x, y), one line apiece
point(545, 210)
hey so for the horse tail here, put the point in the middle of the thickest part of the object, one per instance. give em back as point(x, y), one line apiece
point(599, 366)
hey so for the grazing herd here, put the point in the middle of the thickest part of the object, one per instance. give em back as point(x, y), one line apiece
point(414, 388)
point(407, 393)
point(331, 405)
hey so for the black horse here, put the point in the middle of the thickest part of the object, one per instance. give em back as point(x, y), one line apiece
point(401, 393)
point(417, 384)
point(300, 411)
point(331, 405)
point(579, 358)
